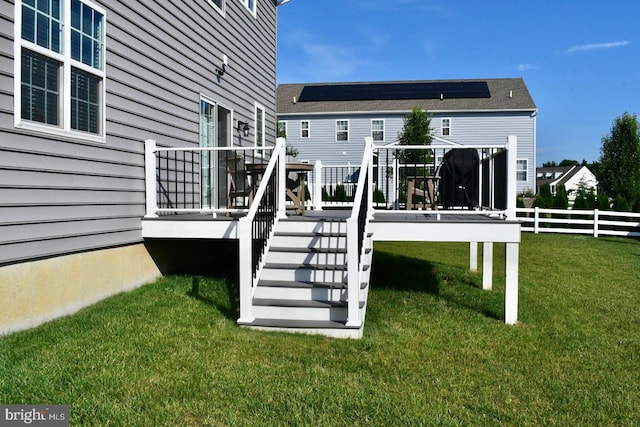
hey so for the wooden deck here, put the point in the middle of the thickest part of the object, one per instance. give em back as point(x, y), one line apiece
point(430, 226)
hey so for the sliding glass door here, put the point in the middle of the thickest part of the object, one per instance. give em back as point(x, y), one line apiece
point(215, 131)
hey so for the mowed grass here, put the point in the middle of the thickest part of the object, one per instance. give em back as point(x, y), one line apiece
point(435, 350)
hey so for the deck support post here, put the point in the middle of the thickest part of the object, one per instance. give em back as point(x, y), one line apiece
point(246, 270)
point(150, 178)
point(511, 283)
point(473, 256)
point(487, 265)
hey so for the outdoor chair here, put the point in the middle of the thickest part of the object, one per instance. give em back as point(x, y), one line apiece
point(240, 190)
point(425, 187)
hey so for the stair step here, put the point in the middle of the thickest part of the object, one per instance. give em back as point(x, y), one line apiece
point(310, 234)
point(301, 284)
point(266, 302)
point(278, 266)
point(288, 323)
point(308, 250)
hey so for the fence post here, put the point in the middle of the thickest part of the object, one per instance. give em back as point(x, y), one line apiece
point(536, 218)
point(596, 215)
point(317, 186)
point(151, 202)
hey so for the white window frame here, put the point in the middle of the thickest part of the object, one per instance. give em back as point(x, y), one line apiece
point(259, 128)
point(341, 131)
point(252, 6)
point(302, 129)
point(220, 9)
point(377, 130)
point(447, 126)
point(282, 125)
point(64, 129)
point(520, 170)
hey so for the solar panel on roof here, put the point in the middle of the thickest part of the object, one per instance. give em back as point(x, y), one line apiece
point(395, 91)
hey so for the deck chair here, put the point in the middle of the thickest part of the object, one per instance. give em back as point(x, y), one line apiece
point(427, 190)
point(240, 191)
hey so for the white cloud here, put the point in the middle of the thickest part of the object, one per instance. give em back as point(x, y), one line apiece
point(595, 46)
point(526, 67)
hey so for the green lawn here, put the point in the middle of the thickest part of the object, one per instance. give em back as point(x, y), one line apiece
point(435, 350)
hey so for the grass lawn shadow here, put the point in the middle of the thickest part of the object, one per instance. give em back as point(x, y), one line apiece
point(222, 296)
point(455, 285)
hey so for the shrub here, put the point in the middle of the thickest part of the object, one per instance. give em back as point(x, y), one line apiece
point(340, 194)
point(621, 205)
point(561, 201)
point(378, 196)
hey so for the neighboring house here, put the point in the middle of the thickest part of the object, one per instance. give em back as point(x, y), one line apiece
point(82, 85)
point(572, 177)
point(329, 121)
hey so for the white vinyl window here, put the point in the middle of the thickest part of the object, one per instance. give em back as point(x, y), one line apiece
point(218, 5)
point(282, 129)
point(304, 129)
point(342, 130)
point(377, 130)
point(260, 127)
point(445, 127)
point(251, 5)
point(60, 67)
point(521, 169)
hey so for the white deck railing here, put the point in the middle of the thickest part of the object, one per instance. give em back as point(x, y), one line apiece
point(356, 235)
point(493, 179)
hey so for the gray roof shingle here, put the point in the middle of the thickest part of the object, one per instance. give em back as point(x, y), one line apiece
point(500, 99)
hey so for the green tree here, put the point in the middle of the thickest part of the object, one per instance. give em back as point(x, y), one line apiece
point(561, 200)
point(545, 198)
point(416, 131)
point(620, 160)
point(567, 162)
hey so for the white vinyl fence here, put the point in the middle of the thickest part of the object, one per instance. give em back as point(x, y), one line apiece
point(592, 222)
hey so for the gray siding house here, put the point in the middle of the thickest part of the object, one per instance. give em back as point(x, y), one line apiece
point(329, 121)
point(83, 83)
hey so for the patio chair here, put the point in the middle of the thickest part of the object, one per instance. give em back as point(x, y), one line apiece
point(425, 187)
point(240, 191)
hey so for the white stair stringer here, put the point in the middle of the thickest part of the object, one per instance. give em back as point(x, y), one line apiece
point(302, 287)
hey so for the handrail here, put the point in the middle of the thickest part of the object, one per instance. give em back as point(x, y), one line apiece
point(256, 228)
point(356, 227)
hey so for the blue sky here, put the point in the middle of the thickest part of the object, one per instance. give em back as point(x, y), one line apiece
point(579, 58)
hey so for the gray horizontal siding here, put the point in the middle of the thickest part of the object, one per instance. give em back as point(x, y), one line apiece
point(61, 195)
point(466, 128)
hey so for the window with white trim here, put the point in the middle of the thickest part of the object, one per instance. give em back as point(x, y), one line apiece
point(305, 127)
point(218, 5)
point(260, 127)
point(377, 130)
point(251, 5)
point(521, 169)
point(342, 130)
point(282, 129)
point(445, 127)
point(60, 67)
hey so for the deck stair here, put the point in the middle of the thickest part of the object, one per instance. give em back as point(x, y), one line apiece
point(303, 284)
